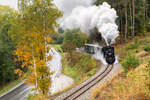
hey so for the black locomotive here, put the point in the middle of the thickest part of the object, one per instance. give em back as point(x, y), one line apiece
point(109, 54)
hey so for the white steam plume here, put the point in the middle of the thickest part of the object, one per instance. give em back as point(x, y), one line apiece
point(66, 6)
point(86, 16)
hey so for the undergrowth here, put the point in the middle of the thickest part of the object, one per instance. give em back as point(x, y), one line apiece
point(130, 62)
point(135, 83)
point(81, 67)
point(135, 86)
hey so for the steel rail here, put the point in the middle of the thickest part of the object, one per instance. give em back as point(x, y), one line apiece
point(86, 85)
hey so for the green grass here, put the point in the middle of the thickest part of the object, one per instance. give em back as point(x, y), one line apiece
point(83, 68)
point(80, 69)
point(10, 86)
point(133, 48)
point(147, 47)
point(130, 62)
point(131, 55)
point(31, 96)
point(133, 45)
point(128, 53)
point(58, 47)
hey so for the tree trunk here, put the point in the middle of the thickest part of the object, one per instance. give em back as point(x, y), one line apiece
point(145, 9)
point(45, 38)
point(131, 16)
point(45, 49)
point(121, 31)
point(36, 84)
point(133, 6)
point(126, 18)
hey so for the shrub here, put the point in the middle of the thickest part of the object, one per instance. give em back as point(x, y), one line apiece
point(146, 48)
point(91, 64)
point(30, 96)
point(130, 62)
point(59, 39)
point(133, 87)
point(148, 67)
point(81, 67)
point(37, 97)
point(69, 47)
point(134, 45)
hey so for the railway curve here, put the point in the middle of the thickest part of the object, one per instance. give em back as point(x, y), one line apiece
point(83, 90)
point(91, 83)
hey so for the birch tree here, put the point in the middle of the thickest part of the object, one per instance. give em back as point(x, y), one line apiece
point(37, 21)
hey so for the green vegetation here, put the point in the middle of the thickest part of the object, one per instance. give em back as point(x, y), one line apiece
point(35, 23)
point(134, 17)
point(25, 33)
point(59, 39)
point(58, 47)
point(30, 97)
point(130, 62)
point(81, 68)
point(37, 97)
point(133, 48)
point(131, 55)
point(133, 45)
point(148, 67)
point(73, 39)
point(135, 82)
point(135, 85)
point(10, 86)
point(147, 48)
point(7, 64)
point(77, 38)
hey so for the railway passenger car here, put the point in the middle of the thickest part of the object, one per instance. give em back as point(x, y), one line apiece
point(90, 48)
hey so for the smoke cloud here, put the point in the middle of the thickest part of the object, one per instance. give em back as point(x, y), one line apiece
point(86, 16)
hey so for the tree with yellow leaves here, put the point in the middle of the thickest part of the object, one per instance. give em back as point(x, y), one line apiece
point(36, 21)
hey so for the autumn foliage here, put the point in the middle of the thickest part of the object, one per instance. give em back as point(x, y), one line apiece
point(36, 22)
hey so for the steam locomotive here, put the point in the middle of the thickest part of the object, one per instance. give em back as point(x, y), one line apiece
point(108, 52)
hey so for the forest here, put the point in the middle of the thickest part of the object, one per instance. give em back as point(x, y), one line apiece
point(26, 32)
point(133, 17)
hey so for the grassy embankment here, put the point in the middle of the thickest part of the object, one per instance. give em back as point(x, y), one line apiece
point(133, 82)
point(81, 68)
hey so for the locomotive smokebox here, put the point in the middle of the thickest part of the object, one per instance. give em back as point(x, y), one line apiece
point(109, 55)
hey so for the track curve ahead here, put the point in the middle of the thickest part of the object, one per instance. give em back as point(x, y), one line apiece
point(86, 87)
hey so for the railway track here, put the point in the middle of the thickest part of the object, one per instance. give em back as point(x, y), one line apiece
point(86, 87)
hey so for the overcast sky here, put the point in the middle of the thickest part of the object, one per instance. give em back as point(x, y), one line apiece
point(11, 3)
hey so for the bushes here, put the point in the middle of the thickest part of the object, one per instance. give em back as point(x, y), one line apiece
point(75, 37)
point(148, 68)
point(130, 62)
point(38, 97)
point(59, 39)
point(146, 48)
point(133, 87)
point(134, 45)
point(81, 67)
